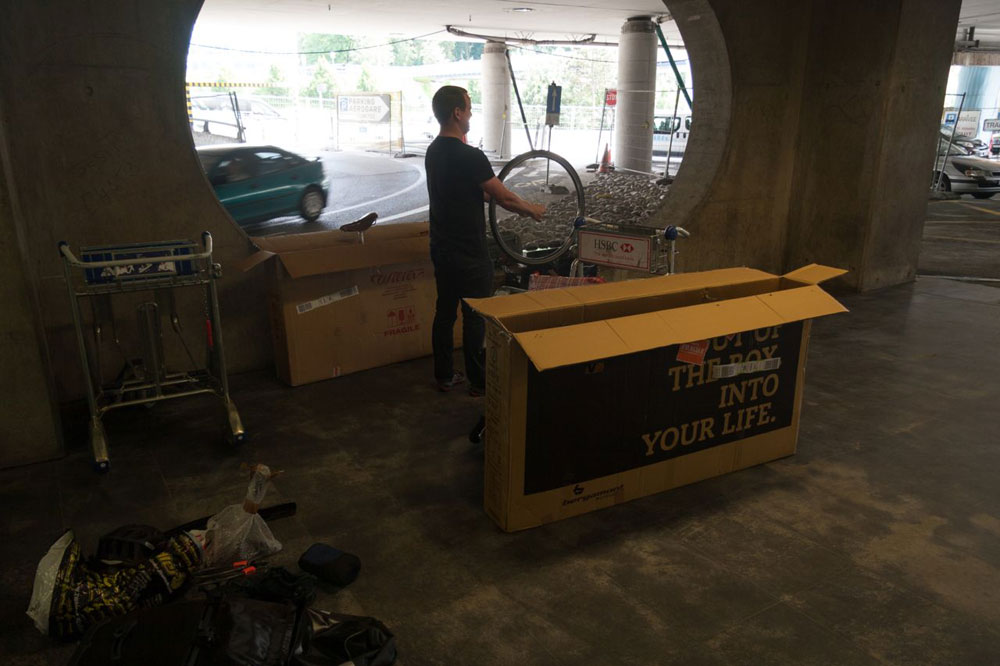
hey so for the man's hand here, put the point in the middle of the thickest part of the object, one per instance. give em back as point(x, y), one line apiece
point(507, 199)
point(535, 211)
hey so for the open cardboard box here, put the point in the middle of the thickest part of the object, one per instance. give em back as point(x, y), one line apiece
point(600, 394)
point(338, 305)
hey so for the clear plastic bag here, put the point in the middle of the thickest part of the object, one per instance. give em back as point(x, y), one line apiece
point(238, 532)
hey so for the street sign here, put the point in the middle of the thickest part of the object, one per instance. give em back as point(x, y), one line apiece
point(966, 124)
point(611, 97)
point(991, 125)
point(552, 103)
point(364, 108)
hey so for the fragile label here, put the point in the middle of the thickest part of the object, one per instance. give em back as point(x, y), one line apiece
point(622, 251)
point(745, 368)
point(302, 308)
point(693, 352)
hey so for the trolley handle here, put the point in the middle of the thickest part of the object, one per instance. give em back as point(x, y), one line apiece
point(72, 260)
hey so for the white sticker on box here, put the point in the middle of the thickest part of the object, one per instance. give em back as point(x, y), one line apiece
point(302, 308)
point(745, 368)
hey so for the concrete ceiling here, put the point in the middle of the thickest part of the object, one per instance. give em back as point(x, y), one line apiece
point(549, 19)
point(984, 16)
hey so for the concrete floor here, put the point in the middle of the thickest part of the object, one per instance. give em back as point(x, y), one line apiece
point(878, 542)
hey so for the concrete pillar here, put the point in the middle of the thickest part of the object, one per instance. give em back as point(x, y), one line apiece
point(636, 95)
point(495, 118)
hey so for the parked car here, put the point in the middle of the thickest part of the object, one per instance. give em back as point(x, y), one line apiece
point(663, 127)
point(256, 183)
point(966, 173)
point(976, 146)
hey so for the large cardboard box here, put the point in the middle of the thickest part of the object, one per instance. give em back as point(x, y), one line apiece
point(338, 305)
point(600, 394)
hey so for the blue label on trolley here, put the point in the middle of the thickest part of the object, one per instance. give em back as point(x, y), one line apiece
point(154, 260)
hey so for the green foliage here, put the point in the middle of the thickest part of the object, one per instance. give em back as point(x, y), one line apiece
point(408, 53)
point(315, 42)
point(366, 82)
point(455, 51)
point(273, 85)
point(475, 91)
point(322, 73)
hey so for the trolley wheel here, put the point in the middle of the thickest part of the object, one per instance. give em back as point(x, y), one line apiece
point(236, 438)
point(503, 239)
point(102, 466)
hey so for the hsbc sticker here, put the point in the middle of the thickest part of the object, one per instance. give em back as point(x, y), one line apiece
point(620, 251)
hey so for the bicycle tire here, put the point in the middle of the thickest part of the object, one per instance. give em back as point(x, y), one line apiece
point(514, 253)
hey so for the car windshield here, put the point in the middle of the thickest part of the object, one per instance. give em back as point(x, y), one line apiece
point(209, 160)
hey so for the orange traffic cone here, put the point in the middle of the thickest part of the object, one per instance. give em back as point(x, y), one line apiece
point(605, 161)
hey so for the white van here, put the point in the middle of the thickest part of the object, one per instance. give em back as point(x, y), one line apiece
point(666, 126)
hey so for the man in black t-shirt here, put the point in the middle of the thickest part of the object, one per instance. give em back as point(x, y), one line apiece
point(459, 180)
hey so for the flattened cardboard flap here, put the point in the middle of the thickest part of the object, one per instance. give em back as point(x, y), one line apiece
point(814, 273)
point(499, 307)
point(322, 252)
point(592, 341)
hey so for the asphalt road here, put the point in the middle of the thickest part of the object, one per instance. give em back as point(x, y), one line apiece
point(962, 240)
point(360, 182)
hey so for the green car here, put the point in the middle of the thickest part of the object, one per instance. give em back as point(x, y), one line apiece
point(256, 183)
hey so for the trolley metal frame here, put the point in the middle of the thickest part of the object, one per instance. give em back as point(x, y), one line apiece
point(139, 268)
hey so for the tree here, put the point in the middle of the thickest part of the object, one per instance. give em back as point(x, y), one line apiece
point(455, 51)
point(273, 85)
point(329, 48)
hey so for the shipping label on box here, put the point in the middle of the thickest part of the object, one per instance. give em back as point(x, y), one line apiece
point(338, 306)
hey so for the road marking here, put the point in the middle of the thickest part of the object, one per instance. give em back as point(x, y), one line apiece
point(403, 214)
point(962, 221)
point(418, 182)
point(962, 240)
point(985, 210)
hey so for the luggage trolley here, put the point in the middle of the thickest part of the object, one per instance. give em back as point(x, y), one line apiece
point(590, 241)
point(157, 267)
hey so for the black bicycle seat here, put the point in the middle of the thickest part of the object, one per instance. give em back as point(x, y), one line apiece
point(362, 224)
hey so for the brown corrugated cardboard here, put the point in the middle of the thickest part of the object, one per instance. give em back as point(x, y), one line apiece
point(338, 305)
point(600, 394)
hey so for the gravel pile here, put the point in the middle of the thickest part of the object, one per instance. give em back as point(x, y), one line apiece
point(612, 198)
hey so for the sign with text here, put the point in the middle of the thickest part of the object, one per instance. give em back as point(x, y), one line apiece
point(643, 408)
point(618, 250)
point(967, 124)
point(991, 125)
point(364, 108)
point(611, 97)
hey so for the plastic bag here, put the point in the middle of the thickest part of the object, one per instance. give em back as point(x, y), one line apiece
point(45, 582)
point(238, 532)
point(80, 592)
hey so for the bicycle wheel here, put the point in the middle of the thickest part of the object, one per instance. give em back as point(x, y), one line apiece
point(540, 177)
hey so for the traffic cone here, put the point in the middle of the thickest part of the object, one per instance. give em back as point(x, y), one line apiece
point(605, 161)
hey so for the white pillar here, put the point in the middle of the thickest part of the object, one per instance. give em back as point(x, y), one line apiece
point(636, 95)
point(496, 100)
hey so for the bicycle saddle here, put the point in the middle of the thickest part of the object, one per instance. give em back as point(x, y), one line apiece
point(363, 224)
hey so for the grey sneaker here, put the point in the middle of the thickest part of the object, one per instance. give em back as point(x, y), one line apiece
point(447, 385)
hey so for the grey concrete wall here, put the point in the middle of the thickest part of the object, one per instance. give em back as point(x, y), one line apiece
point(734, 194)
point(829, 138)
point(102, 153)
point(29, 423)
point(875, 77)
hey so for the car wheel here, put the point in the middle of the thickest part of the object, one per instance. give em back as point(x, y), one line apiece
point(311, 204)
point(945, 183)
point(982, 195)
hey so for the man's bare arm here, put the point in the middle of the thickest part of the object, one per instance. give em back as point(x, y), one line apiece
point(494, 189)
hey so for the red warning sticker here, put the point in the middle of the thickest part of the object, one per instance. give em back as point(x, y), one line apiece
point(693, 352)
